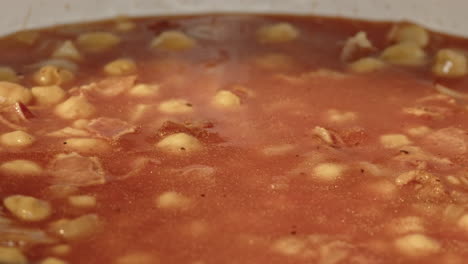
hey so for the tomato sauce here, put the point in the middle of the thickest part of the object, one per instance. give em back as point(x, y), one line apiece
point(233, 139)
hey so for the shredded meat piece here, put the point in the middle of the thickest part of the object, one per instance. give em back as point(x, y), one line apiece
point(436, 106)
point(304, 77)
point(137, 165)
point(356, 47)
point(427, 187)
point(439, 99)
point(110, 128)
point(328, 136)
point(112, 86)
point(22, 111)
point(197, 174)
point(354, 136)
point(415, 156)
point(429, 112)
point(13, 115)
point(11, 234)
point(199, 130)
point(74, 169)
point(23, 237)
point(69, 132)
point(347, 138)
point(448, 142)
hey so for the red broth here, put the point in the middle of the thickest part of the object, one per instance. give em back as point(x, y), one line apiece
point(233, 139)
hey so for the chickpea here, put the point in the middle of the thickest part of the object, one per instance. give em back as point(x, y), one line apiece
point(87, 145)
point(7, 74)
point(450, 63)
point(463, 222)
point(120, 67)
point(82, 201)
point(52, 260)
point(328, 172)
point(274, 61)
point(337, 116)
point(139, 111)
point(48, 95)
point(137, 258)
point(394, 140)
point(417, 245)
point(179, 143)
point(175, 106)
point(78, 228)
point(124, 24)
point(96, 42)
point(17, 139)
point(81, 123)
point(27, 208)
point(276, 150)
point(61, 250)
point(51, 75)
point(366, 65)
point(173, 41)
point(172, 200)
point(9, 255)
point(419, 131)
point(410, 33)
point(407, 53)
point(67, 50)
point(13, 93)
point(143, 90)
point(289, 246)
point(277, 33)
point(226, 99)
point(21, 167)
point(74, 108)
point(453, 180)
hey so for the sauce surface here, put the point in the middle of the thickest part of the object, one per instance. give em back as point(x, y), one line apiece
point(233, 139)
